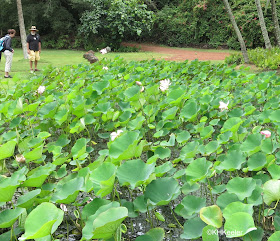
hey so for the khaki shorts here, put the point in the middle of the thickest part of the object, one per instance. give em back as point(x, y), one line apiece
point(34, 55)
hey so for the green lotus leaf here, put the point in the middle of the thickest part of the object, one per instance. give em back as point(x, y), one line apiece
point(9, 216)
point(100, 86)
point(27, 200)
point(48, 110)
point(163, 152)
point(210, 233)
point(224, 138)
point(252, 143)
point(256, 162)
point(154, 234)
point(275, 116)
point(198, 169)
point(137, 123)
point(79, 149)
point(103, 178)
point(275, 236)
point(175, 96)
point(206, 132)
point(187, 188)
point(256, 197)
point(232, 124)
point(226, 198)
point(255, 235)
point(211, 147)
point(236, 207)
point(134, 173)
point(183, 136)
point(274, 171)
point(68, 192)
point(124, 147)
point(189, 150)
point(162, 191)
point(193, 228)
point(271, 191)
point(37, 176)
point(92, 207)
point(7, 149)
point(189, 206)
point(233, 161)
point(162, 169)
point(212, 215)
point(170, 113)
point(42, 221)
point(242, 187)
point(239, 224)
point(103, 225)
point(189, 110)
point(61, 116)
point(132, 93)
point(8, 185)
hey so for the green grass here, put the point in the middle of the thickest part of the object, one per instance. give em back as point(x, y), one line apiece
point(20, 66)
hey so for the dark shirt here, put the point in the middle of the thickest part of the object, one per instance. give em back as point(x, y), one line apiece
point(8, 43)
point(33, 41)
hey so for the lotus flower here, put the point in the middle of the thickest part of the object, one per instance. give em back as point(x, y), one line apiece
point(223, 106)
point(164, 84)
point(103, 51)
point(140, 84)
point(41, 89)
point(63, 207)
point(266, 133)
point(20, 158)
point(114, 135)
point(105, 67)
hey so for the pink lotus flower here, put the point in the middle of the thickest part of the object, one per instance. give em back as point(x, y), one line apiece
point(266, 133)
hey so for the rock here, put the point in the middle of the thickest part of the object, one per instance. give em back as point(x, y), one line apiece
point(90, 56)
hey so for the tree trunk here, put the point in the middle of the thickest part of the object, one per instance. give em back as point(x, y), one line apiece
point(262, 24)
point(275, 21)
point(237, 31)
point(22, 29)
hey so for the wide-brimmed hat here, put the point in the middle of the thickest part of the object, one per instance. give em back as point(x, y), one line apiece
point(33, 28)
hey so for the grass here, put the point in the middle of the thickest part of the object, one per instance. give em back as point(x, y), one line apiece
point(20, 66)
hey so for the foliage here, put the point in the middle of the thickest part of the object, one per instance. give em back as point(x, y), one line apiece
point(113, 20)
point(111, 133)
point(263, 58)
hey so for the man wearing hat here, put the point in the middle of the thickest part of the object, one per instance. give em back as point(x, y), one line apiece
point(33, 48)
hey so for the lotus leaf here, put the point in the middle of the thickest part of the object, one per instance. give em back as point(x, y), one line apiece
point(134, 173)
point(271, 191)
point(154, 234)
point(162, 191)
point(193, 228)
point(242, 187)
point(212, 215)
point(198, 169)
point(9, 216)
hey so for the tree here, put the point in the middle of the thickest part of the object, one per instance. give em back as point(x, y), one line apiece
point(263, 26)
point(275, 21)
point(22, 28)
point(113, 20)
point(237, 31)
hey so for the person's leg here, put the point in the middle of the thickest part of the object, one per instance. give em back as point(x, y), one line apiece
point(31, 60)
point(35, 65)
point(9, 58)
point(37, 58)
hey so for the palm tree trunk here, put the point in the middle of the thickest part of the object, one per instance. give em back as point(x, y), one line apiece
point(275, 21)
point(22, 29)
point(237, 31)
point(262, 24)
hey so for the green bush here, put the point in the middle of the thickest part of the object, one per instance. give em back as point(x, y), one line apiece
point(234, 59)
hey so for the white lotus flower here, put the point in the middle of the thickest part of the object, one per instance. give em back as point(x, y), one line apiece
point(164, 84)
point(138, 83)
point(142, 89)
point(114, 135)
point(63, 207)
point(103, 51)
point(105, 67)
point(41, 89)
point(20, 158)
point(223, 106)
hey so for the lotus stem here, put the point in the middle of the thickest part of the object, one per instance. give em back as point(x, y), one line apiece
point(210, 190)
point(176, 218)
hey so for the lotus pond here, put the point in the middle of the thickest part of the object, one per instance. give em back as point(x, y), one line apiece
point(149, 150)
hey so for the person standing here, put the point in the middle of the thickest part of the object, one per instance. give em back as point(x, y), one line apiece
point(9, 52)
point(33, 48)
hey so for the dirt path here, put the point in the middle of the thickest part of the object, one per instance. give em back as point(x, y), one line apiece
point(180, 54)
